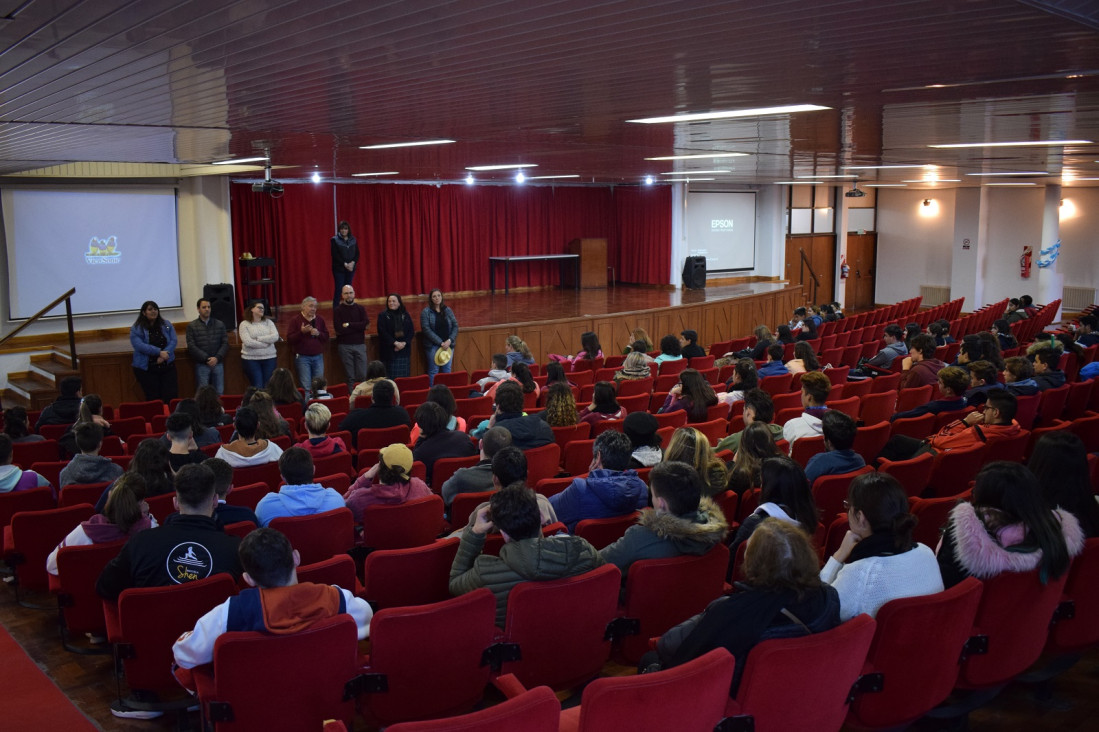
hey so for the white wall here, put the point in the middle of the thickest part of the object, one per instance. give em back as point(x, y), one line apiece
point(1079, 237)
point(913, 249)
point(1014, 221)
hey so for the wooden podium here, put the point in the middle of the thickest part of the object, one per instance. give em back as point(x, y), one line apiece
point(593, 261)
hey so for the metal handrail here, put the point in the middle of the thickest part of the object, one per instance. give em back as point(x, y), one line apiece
point(67, 298)
point(816, 280)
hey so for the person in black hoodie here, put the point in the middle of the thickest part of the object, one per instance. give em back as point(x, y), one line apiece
point(65, 407)
point(688, 344)
point(1046, 373)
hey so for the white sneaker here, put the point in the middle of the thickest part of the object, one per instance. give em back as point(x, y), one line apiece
point(119, 708)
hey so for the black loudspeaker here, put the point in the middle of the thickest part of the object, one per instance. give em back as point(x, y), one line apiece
point(223, 305)
point(694, 273)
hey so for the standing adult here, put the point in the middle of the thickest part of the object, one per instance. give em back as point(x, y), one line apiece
point(350, 320)
point(395, 331)
point(258, 336)
point(345, 257)
point(308, 335)
point(207, 342)
point(154, 341)
point(440, 329)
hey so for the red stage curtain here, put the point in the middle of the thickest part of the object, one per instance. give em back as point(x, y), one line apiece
point(416, 237)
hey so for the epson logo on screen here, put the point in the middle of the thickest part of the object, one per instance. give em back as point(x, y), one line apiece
point(103, 251)
point(721, 224)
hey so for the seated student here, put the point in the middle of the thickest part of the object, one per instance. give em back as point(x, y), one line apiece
point(641, 429)
point(693, 394)
point(440, 394)
point(744, 378)
point(389, 482)
point(477, 478)
point(589, 350)
point(983, 377)
point(952, 381)
point(878, 561)
point(1060, 463)
point(271, 423)
point(509, 465)
point(757, 443)
point(320, 388)
point(1007, 527)
point(384, 411)
point(1046, 373)
point(203, 436)
point(935, 330)
point(274, 602)
point(1019, 376)
point(375, 372)
point(17, 428)
point(282, 388)
point(669, 350)
point(517, 351)
point(839, 435)
point(804, 359)
point(12, 477)
point(183, 450)
point(894, 348)
point(1089, 331)
point(560, 410)
point(526, 554)
point(299, 496)
point(758, 407)
point(65, 408)
point(815, 387)
point(774, 365)
point(527, 431)
point(89, 466)
point(920, 367)
point(610, 488)
point(436, 440)
point(498, 372)
point(1027, 303)
point(688, 344)
point(783, 335)
point(681, 520)
point(781, 597)
point(125, 514)
point(1002, 330)
point(1015, 312)
point(634, 368)
point(247, 449)
point(690, 446)
point(318, 444)
point(521, 375)
point(604, 405)
point(798, 321)
point(784, 495)
point(996, 422)
point(808, 330)
point(227, 513)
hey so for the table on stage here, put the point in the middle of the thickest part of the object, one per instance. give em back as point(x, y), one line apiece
point(506, 261)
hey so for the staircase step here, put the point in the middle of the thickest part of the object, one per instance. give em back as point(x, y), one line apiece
point(53, 365)
point(38, 390)
point(12, 398)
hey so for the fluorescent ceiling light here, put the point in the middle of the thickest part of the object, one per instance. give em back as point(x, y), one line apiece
point(1023, 143)
point(550, 177)
point(1076, 179)
point(798, 183)
point(687, 179)
point(417, 143)
point(884, 185)
point(695, 172)
point(240, 161)
point(826, 176)
point(887, 167)
point(700, 157)
point(1021, 172)
point(1011, 184)
point(365, 175)
point(517, 166)
point(701, 116)
point(933, 180)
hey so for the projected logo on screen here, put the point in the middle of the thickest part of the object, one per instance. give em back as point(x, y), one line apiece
point(103, 251)
point(721, 224)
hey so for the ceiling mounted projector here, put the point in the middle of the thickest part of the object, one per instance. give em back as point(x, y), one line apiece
point(268, 185)
point(853, 193)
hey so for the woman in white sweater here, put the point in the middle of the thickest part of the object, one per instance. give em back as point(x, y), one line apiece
point(878, 561)
point(258, 336)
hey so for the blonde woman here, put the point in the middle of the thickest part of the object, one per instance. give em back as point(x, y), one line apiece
point(517, 351)
point(690, 446)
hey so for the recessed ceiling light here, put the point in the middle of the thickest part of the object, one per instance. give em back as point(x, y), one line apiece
point(517, 166)
point(316, 177)
point(1022, 143)
point(648, 180)
point(695, 172)
point(700, 157)
point(366, 175)
point(884, 185)
point(888, 167)
point(550, 177)
point(702, 116)
point(469, 179)
point(1010, 184)
point(1021, 172)
point(239, 161)
point(519, 177)
point(852, 175)
point(417, 143)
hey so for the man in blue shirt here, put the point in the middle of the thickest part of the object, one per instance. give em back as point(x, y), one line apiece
point(839, 435)
point(774, 365)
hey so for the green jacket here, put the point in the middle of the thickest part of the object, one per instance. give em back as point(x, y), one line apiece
point(662, 535)
point(732, 442)
point(538, 559)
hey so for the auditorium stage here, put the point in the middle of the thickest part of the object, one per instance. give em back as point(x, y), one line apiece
point(549, 320)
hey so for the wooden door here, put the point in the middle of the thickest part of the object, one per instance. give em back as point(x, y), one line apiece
point(862, 258)
point(820, 256)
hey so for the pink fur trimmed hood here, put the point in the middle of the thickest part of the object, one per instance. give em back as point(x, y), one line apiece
point(982, 556)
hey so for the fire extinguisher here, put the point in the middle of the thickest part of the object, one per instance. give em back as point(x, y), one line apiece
point(845, 271)
point(1025, 262)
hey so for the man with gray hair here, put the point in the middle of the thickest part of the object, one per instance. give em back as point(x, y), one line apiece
point(308, 337)
point(610, 488)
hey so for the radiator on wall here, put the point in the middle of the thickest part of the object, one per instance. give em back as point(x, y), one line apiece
point(1075, 299)
point(934, 295)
